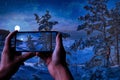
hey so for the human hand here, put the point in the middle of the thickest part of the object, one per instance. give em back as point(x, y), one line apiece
point(11, 60)
point(56, 62)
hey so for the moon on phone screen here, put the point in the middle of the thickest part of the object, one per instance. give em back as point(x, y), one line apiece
point(17, 27)
point(21, 39)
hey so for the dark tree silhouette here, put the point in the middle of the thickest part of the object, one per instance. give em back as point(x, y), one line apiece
point(46, 25)
point(30, 43)
point(97, 23)
point(44, 22)
point(106, 25)
point(114, 30)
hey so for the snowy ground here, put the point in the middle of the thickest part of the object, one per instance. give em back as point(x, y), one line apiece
point(32, 73)
point(77, 60)
point(78, 72)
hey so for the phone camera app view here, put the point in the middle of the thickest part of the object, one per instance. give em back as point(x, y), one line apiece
point(35, 41)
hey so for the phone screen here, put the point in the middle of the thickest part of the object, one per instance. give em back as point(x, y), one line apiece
point(35, 41)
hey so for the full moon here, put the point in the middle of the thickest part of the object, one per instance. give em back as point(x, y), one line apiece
point(17, 27)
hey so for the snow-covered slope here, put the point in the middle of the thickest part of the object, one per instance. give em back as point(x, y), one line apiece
point(31, 70)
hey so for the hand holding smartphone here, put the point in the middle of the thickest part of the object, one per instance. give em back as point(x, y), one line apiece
point(40, 41)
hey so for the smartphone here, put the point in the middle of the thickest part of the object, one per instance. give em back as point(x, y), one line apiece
point(41, 41)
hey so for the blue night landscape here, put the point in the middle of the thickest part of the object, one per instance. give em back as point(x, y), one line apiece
point(90, 29)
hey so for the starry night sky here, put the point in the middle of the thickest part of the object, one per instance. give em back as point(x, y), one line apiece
point(20, 12)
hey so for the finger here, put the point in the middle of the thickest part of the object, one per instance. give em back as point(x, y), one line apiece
point(46, 57)
point(13, 53)
point(59, 41)
point(25, 56)
point(8, 39)
point(8, 54)
point(39, 54)
point(18, 53)
point(43, 56)
point(59, 52)
point(58, 46)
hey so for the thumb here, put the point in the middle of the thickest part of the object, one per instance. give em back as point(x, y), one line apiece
point(59, 51)
point(58, 41)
